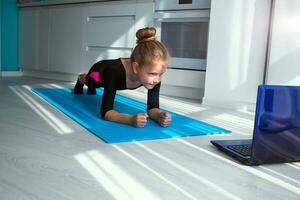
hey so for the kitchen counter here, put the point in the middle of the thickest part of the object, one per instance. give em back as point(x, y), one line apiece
point(58, 2)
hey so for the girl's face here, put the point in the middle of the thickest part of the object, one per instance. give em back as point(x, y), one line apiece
point(150, 75)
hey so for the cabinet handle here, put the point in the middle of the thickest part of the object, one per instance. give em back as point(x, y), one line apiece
point(113, 17)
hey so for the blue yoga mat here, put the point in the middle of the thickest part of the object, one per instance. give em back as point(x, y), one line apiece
point(85, 109)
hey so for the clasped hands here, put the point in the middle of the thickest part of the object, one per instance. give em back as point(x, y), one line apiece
point(163, 119)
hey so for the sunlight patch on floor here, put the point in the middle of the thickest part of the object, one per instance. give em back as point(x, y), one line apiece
point(112, 178)
point(190, 173)
point(231, 118)
point(294, 165)
point(249, 169)
point(49, 117)
point(156, 173)
point(280, 175)
point(52, 85)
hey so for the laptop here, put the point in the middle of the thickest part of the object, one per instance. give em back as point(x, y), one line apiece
point(276, 133)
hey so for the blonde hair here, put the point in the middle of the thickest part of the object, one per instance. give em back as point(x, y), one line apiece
point(148, 49)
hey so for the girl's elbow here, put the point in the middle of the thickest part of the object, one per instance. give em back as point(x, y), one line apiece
point(106, 114)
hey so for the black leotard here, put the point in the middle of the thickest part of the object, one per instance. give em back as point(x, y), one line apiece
point(111, 75)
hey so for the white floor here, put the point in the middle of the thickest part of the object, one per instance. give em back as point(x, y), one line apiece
point(46, 155)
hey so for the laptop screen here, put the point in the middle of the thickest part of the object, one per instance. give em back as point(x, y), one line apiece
point(276, 136)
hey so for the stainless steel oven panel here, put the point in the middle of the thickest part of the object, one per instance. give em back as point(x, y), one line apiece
point(182, 16)
point(175, 5)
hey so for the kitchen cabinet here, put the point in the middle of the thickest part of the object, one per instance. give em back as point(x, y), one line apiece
point(27, 39)
point(42, 41)
point(184, 83)
point(34, 26)
point(69, 38)
point(65, 46)
point(51, 39)
point(110, 28)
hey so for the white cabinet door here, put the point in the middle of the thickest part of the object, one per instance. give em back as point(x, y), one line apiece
point(43, 39)
point(65, 47)
point(28, 49)
point(33, 38)
point(111, 31)
point(111, 27)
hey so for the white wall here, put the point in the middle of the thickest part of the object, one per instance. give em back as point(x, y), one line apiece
point(284, 61)
point(236, 52)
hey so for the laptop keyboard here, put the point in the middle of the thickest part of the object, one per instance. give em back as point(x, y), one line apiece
point(244, 150)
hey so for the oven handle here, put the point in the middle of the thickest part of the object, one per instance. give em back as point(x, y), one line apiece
point(181, 14)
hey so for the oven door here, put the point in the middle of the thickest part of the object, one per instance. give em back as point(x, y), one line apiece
point(185, 34)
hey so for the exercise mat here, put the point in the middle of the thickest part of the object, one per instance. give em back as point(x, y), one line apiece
point(85, 110)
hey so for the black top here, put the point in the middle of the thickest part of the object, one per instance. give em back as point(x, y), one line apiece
point(112, 77)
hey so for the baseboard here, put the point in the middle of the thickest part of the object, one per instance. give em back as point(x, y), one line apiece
point(11, 73)
point(50, 75)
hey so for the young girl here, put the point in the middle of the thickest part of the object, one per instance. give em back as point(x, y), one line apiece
point(145, 67)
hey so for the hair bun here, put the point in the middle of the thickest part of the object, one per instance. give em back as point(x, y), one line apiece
point(145, 34)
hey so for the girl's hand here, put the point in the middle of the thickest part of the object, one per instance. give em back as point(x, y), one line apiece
point(164, 119)
point(140, 120)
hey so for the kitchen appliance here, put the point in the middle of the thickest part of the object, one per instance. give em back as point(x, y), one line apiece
point(182, 25)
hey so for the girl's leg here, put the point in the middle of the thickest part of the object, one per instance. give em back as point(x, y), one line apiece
point(89, 80)
point(92, 80)
point(78, 89)
point(91, 90)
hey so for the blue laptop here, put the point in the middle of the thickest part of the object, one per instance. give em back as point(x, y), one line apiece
point(276, 134)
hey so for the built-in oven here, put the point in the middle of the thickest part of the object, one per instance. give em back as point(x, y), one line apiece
point(182, 25)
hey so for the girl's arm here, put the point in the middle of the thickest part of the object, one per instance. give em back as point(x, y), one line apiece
point(138, 120)
point(154, 113)
point(163, 118)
